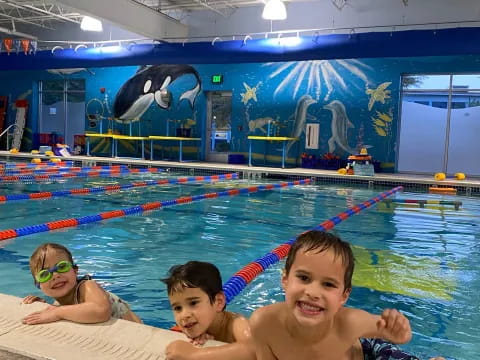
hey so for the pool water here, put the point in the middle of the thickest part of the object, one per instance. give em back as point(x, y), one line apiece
point(425, 262)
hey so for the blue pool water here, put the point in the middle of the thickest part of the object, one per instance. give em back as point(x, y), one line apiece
point(425, 262)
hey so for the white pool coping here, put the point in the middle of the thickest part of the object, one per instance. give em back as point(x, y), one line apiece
point(114, 339)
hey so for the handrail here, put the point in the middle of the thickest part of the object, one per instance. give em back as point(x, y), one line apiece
point(8, 128)
point(6, 131)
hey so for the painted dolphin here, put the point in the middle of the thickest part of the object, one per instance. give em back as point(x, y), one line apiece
point(300, 118)
point(340, 126)
point(150, 84)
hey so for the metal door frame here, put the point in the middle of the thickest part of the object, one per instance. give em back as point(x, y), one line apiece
point(213, 156)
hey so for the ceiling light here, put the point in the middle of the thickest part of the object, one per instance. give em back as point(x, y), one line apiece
point(91, 24)
point(274, 10)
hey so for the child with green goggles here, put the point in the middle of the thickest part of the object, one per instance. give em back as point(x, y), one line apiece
point(46, 274)
point(55, 274)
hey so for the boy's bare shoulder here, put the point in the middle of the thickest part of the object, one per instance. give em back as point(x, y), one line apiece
point(266, 314)
point(240, 327)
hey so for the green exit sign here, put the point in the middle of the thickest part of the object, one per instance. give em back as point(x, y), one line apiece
point(217, 79)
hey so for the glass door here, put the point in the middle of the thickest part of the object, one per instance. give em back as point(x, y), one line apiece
point(62, 109)
point(423, 123)
point(218, 127)
point(440, 124)
point(464, 147)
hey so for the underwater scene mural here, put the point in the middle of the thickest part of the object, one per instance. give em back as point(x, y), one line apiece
point(354, 104)
point(350, 100)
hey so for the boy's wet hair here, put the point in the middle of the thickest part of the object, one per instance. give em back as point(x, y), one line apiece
point(320, 241)
point(194, 274)
point(37, 260)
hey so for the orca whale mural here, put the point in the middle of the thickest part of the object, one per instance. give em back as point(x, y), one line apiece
point(150, 84)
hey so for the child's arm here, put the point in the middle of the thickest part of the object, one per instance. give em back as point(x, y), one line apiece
point(259, 326)
point(391, 325)
point(182, 350)
point(94, 308)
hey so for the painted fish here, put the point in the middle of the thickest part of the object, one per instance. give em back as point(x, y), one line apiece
point(150, 84)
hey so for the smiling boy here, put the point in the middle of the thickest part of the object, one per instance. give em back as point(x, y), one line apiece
point(313, 323)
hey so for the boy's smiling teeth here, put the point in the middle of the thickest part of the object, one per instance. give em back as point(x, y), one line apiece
point(309, 308)
point(189, 325)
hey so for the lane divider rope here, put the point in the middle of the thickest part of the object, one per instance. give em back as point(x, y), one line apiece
point(66, 223)
point(111, 188)
point(83, 174)
point(35, 165)
point(244, 276)
point(60, 169)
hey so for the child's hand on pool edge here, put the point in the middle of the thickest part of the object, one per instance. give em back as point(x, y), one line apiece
point(202, 339)
point(179, 350)
point(30, 299)
point(45, 316)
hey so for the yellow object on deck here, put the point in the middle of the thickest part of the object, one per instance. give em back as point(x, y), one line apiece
point(171, 138)
point(283, 139)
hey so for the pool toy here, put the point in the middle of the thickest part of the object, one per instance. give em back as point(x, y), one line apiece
point(34, 152)
point(13, 151)
point(442, 190)
point(36, 160)
point(442, 176)
point(49, 153)
point(55, 160)
point(360, 164)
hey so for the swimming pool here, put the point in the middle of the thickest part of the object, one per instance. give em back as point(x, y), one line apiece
point(422, 261)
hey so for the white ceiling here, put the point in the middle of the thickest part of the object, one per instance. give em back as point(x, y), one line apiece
point(181, 20)
point(51, 15)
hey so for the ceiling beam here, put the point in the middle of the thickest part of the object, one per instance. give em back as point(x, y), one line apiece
point(206, 5)
point(131, 16)
point(17, 33)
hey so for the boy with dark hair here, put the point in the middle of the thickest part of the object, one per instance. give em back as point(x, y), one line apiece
point(198, 304)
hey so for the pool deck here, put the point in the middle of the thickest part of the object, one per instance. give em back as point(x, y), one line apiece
point(468, 186)
point(114, 339)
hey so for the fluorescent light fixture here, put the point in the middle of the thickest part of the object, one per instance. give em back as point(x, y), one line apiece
point(90, 24)
point(274, 10)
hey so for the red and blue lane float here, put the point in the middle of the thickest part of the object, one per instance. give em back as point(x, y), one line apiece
point(82, 174)
point(66, 223)
point(42, 164)
point(242, 278)
point(110, 188)
point(61, 169)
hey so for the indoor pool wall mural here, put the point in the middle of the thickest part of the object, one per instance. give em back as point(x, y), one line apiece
point(349, 99)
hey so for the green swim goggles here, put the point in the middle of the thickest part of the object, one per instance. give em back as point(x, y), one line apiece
point(46, 274)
